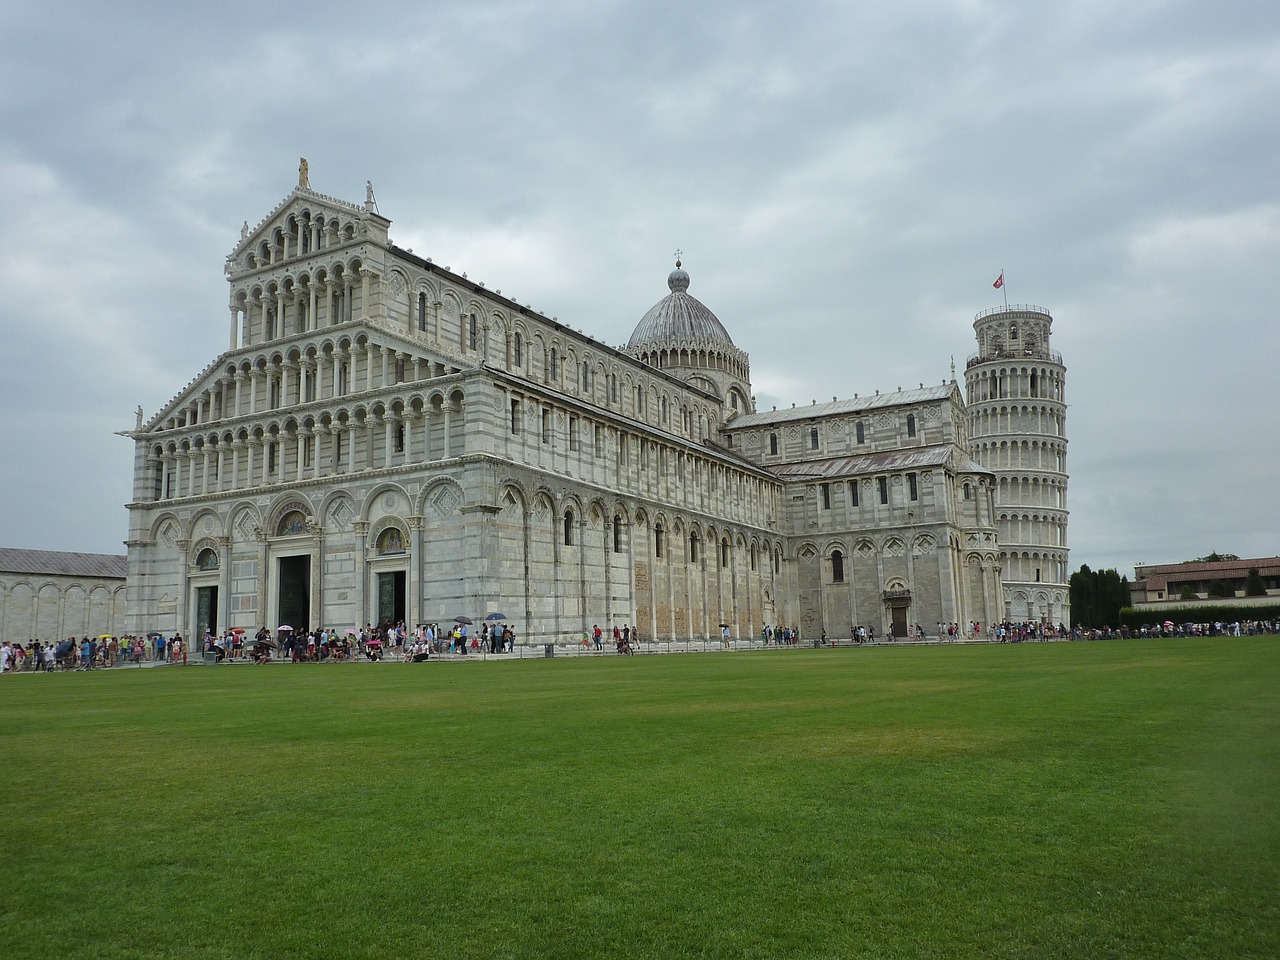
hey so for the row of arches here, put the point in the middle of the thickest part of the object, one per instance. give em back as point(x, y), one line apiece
point(300, 234)
point(1034, 566)
point(326, 369)
point(1034, 529)
point(52, 610)
point(1004, 420)
point(1031, 491)
point(313, 299)
point(719, 357)
point(413, 427)
point(1016, 382)
point(1048, 455)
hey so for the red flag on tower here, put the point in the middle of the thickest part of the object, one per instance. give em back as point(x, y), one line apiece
point(999, 281)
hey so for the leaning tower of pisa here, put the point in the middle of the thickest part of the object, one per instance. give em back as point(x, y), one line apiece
point(1015, 389)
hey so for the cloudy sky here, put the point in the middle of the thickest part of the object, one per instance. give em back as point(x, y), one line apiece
point(846, 181)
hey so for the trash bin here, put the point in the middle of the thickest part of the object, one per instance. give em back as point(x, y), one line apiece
point(210, 658)
point(817, 644)
point(549, 650)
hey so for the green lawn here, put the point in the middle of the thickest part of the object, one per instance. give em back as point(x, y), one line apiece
point(1037, 800)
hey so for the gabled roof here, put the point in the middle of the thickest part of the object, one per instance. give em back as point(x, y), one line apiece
point(899, 398)
point(56, 563)
point(306, 195)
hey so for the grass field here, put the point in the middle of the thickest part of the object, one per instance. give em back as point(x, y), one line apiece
point(1039, 800)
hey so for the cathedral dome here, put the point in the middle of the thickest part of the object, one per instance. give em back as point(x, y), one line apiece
point(678, 318)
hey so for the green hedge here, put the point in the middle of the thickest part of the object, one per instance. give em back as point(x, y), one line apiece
point(1200, 613)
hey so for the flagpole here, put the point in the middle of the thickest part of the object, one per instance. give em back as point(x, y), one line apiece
point(1004, 288)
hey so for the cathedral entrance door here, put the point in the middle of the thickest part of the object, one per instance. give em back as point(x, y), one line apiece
point(294, 605)
point(391, 597)
point(899, 627)
point(206, 611)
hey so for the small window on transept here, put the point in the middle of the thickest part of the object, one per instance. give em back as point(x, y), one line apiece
point(207, 559)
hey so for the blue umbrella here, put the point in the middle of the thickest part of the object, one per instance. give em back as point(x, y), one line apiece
point(496, 616)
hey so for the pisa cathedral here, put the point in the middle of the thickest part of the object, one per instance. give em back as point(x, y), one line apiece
point(386, 440)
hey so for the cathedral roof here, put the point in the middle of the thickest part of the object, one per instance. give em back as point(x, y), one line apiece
point(843, 407)
point(886, 461)
point(678, 318)
point(57, 563)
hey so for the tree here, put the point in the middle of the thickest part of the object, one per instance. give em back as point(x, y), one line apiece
point(1097, 597)
point(1221, 588)
point(1253, 585)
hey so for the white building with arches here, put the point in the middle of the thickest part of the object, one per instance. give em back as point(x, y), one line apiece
point(385, 439)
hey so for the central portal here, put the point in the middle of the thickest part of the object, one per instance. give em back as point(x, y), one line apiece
point(391, 597)
point(294, 606)
point(899, 628)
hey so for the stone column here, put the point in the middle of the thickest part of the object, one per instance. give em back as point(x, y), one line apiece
point(235, 324)
point(184, 577)
point(335, 463)
point(236, 447)
point(148, 492)
point(300, 445)
point(250, 446)
point(224, 583)
point(361, 529)
point(264, 569)
point(365, 275)
point(413, 586)
point(317, 573)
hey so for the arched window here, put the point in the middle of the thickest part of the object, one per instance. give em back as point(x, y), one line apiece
point(724, 553)
point(813, 438)
point(617, 533)
point(207, 559)
point(554, 363)
point(837, 566)
point(693, 548)
point(911, 424)
point(472, 332)
point(861, 431)
point(657, 541)
point(968, 492)
point(422, 312)
point(773, 444)
point(390, 541)
point(517, 350)
point(568, 528)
